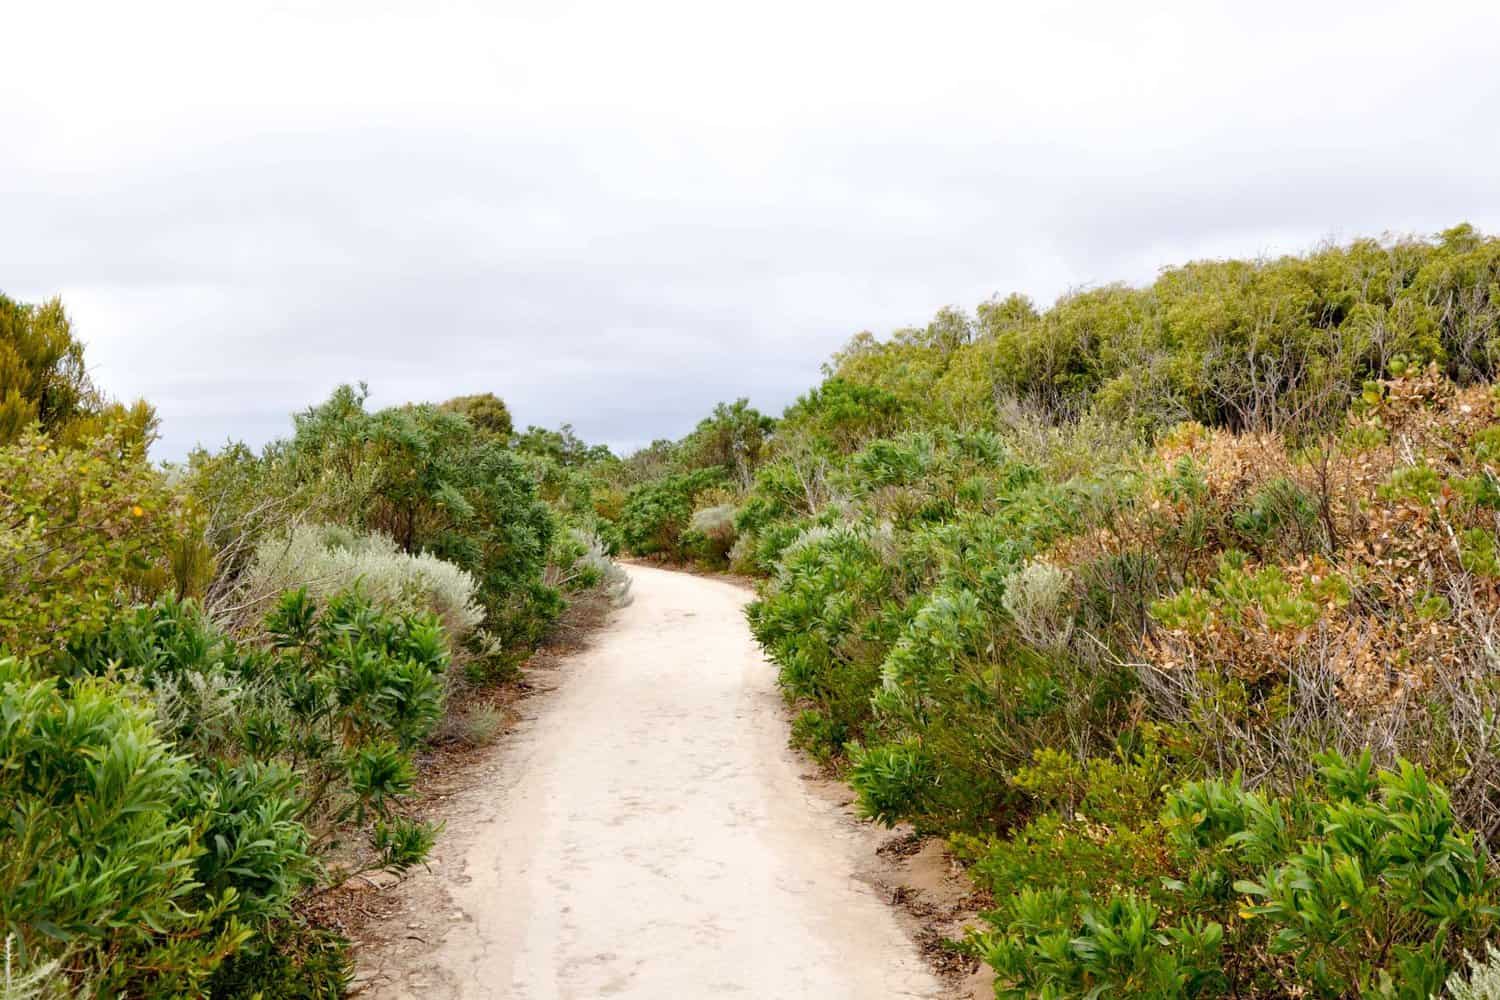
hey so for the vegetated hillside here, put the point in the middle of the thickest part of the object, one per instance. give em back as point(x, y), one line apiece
point(213, 675)
point(1174, 607)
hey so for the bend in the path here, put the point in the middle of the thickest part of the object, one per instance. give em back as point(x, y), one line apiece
point(648, 834)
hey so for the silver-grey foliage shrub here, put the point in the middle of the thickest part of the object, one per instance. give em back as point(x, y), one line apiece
point(329, 560)
point(1038, 599)
point(1482, 981)
point(37, 983)
point(711, 534)
point(715, 523)
point(741, 555)
point(614, 582)
point(879, 537)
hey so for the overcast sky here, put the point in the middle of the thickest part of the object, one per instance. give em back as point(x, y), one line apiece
point(616, 213)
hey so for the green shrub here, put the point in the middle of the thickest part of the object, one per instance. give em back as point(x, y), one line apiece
point(1059, 947)
point(1476, 553)
point(831, 580)
point(88, 530)
point(292, 961)
point(733, 438)
point(327, 713)
point(100, 855)
point(432, 482)
point(1262, 597)
point(1418, 482)
point(1381, 891)
point(1359, 884)
point(839, 416)
point(656, 515)
point(818, 735)
point(893, 782)
point(1281, 517)
point(581, 567)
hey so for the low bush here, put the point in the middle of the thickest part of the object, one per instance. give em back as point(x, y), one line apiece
point(148, 845)
point(327, 560)
point(99, 848)
point(582, 568)
point(656, 515)
point(294, 961)
point(711, 535)
point(1357, 884)
point(435, 484)
point(88, 531)
point(1038, 599)
point(591, 582)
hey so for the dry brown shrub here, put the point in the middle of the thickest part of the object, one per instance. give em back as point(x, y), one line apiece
point(1404, 660)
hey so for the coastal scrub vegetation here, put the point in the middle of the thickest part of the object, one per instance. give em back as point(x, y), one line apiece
point(216, 677)
point(1173, 607)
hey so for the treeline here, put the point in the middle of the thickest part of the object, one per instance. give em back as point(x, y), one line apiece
point(216, 676)
point(1173, 607)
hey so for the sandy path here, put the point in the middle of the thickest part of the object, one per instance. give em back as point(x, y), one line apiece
point(648, 834)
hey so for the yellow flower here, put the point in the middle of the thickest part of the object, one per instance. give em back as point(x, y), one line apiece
point(137, 511)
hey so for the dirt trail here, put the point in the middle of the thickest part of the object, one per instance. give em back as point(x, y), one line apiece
point(647, 833)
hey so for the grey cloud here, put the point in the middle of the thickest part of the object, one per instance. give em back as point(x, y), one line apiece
point(620, 246)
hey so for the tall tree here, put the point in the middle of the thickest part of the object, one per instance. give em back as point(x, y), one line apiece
point(44, 381)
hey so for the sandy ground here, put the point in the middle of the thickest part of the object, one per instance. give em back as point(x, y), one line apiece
point(646, 832)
